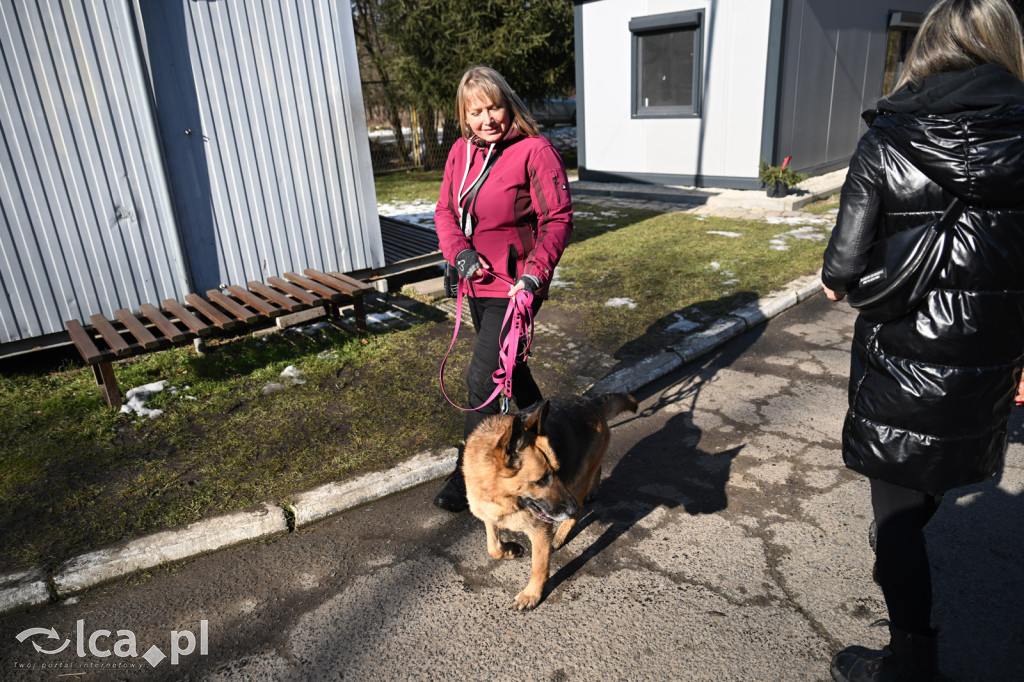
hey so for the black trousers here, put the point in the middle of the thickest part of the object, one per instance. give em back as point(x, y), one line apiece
point(901, 556)
point(488, 314)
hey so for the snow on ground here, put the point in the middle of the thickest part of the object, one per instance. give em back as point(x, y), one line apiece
point(419, 212)
point(557, 282)
point(290, 376)
point(382, 319)
point(135, 399)
point(797, 220)
point(725, 234)
point(780, 242)
point(620, 303)
point(681, 324)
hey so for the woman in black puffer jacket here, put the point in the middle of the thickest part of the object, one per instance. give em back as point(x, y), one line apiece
point(931, 392)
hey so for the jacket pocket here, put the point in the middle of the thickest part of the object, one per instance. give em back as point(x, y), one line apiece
point(512, 264)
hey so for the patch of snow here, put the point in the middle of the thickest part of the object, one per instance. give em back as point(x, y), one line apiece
point(135, 399)
point(681, 324)
point(796, 220)
point(725, 234)
point(780, 242)
point(310, 330)
point(292, 376)
point(715, 265)
point(620, 303)
point(557, 282)
point(383, 318)
point(419, 212)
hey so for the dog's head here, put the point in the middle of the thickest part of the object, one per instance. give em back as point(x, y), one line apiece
point(526, 466)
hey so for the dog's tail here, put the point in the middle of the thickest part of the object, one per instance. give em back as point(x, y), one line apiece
point(616, 403)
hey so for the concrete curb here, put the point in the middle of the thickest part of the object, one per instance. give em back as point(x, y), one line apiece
point(23, 589)
point(30, 587)
point(208, 535)
point(722, 330)
point(334, 498)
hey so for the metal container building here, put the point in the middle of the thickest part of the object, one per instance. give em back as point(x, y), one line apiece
point(157, 147)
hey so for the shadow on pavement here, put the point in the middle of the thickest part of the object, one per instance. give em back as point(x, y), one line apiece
point(665, 469)
point(978, 575)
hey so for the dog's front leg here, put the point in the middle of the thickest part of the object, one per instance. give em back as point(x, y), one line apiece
point(563, 531)
point(540, 544)
point(498, 549)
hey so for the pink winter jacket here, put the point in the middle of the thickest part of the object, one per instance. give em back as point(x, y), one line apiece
point(522, 212)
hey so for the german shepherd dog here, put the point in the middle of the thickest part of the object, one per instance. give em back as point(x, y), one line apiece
point(532, 470)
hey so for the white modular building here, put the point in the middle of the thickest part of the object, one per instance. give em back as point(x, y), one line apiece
point(697, 92)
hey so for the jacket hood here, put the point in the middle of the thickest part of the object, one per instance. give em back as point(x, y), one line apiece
point(963, 129)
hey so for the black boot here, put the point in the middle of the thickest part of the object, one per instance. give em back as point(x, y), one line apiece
point(453, 494)
point(910, 657)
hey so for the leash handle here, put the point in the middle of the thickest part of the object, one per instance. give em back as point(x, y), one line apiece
point(519, 308)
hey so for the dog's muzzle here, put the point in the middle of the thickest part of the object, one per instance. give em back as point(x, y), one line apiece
point(545, 513)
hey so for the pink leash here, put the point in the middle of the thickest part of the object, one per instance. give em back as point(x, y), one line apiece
point(520, 314)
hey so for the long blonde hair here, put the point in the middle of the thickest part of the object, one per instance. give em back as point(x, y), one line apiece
point(486, 81)
point(962, 34)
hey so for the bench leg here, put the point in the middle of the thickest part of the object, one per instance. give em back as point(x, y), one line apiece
point(360, 313)
point(104, 373)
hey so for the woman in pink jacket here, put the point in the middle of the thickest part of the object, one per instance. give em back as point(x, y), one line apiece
point(505, 209)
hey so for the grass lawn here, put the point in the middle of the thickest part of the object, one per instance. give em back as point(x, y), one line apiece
point(76, 475)
point(408, 186)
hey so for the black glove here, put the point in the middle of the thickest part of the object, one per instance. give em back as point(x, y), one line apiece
point(467, 262)
point(530, 283)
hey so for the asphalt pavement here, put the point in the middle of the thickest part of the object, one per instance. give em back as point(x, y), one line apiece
point(727, 542)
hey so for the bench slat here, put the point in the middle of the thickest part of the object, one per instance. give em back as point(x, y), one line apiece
point(277, 297)
point(166, 327)
point(333, 294)
point(338, 285)
point(297, 292)
point(255, 301)
point(83, 342)
point(363, 287)
point(111, 336)
point(239, 311)
point(217, 317)
point(137, 329)
point(198, 327)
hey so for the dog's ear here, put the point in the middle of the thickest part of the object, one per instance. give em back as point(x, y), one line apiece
point(509, 443)
point(536, 419)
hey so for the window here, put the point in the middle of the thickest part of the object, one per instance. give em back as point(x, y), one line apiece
point(902, 30)
point(667, 50)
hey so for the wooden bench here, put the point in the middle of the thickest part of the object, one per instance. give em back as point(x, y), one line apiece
point(222, 311)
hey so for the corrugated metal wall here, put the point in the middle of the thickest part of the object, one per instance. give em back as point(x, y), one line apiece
point(256, 161)
point(832, 62)
point(263, 126)
point(86, 221)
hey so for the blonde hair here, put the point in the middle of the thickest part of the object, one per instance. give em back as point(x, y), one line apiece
point(962, 34)
point(485, 81)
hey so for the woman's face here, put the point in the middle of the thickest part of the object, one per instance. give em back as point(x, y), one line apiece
point(488, 120)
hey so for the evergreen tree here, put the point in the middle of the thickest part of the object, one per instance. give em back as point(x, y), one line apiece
point(430, 44)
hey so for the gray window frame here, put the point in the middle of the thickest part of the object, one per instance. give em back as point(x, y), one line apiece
point(655, 23)
point(903, 26)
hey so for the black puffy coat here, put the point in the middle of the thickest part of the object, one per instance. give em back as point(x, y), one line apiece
point(930, 393)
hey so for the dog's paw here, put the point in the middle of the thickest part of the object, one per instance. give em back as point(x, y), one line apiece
point(525, 602)
point(511, 550)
